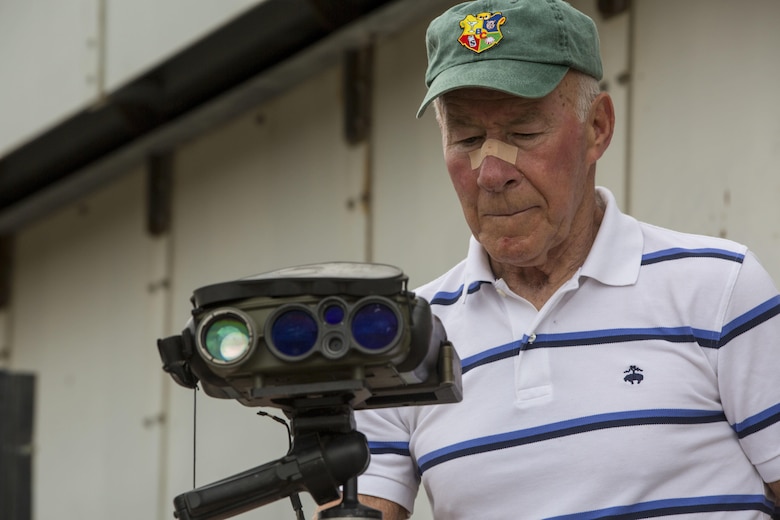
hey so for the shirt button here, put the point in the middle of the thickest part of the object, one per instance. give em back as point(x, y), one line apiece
point(531, 338)
point(501, 293)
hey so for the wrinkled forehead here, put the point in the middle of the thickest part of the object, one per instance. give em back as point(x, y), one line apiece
point(456, 105)
point(463, 106)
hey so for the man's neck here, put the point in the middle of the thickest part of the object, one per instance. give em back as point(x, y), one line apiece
point(537, 284)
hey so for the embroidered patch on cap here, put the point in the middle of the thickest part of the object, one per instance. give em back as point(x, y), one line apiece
point(482, 31)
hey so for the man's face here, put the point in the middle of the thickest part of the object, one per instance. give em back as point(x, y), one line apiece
point(525, 212)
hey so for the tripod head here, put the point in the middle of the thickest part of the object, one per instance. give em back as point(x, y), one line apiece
point(317, 342)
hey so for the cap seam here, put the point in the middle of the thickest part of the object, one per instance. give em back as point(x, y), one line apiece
point(563, 37)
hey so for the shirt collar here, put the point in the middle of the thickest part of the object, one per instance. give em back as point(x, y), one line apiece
point(478, 268)
point(616, 254)
point(614, 258)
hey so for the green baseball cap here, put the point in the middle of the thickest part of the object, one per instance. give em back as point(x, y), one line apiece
point(521, 47)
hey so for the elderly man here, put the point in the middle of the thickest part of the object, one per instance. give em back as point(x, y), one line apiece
point(611, 369)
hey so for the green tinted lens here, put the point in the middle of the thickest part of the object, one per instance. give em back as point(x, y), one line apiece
point(227, 339)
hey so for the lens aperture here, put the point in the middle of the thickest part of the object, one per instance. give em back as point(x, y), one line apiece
point(294, 333)
point(227, 339)
point(333, 314)
point(375, 326)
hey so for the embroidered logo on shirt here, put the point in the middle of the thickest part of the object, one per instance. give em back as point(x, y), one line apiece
point(633, 376)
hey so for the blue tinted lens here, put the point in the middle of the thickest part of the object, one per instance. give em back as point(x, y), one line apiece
point(374, 326)
point(334, 314)
point(294, 333)
point(227, 339)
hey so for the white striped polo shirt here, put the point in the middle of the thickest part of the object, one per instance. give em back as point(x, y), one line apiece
point(647, 386)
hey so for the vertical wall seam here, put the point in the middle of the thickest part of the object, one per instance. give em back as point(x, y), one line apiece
point(102, 31)
point(630, 95)
point(164, 503)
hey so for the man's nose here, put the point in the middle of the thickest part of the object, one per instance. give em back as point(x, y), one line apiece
point(495, 174)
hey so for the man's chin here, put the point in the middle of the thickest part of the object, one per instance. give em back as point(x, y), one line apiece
point(514, 251)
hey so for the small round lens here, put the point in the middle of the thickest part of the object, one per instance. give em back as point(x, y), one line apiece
point(333, 314)
point(375, 326)
point(294, 333)
point(227, 339)
point(334, 347)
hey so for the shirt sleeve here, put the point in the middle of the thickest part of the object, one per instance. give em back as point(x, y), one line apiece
point(392, 473)
point(749, 366)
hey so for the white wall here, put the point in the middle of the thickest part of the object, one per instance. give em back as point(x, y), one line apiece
point(81, 323)
point(48, 62)
point(58, 58)
point(279, 186)
point(706, 123)
point(139, 34)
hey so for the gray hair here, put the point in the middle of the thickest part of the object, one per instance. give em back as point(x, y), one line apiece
point(588, 89)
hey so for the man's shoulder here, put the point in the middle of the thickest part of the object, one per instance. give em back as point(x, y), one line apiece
point(658, 238)
point(451, 282)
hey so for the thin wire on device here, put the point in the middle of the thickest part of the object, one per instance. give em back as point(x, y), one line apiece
point(194, 432)
point(295, 499)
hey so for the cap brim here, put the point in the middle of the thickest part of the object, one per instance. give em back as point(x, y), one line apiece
point(519, 78)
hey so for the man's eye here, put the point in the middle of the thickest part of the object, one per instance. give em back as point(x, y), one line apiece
point(524, 137)
point(470, 141)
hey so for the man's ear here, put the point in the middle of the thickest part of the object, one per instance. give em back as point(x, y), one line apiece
point(602, 124)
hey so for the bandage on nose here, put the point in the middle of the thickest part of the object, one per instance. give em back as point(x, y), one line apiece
point(505, 152)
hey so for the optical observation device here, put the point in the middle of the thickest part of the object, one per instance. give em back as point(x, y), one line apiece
point(302, 337)
point(317, 341)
